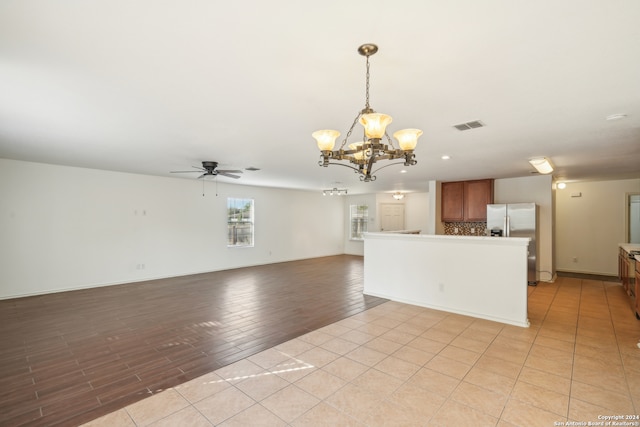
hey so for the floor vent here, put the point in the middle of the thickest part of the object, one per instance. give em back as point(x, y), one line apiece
point(469, 125)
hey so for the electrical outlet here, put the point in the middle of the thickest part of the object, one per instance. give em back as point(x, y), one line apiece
point(575, 259)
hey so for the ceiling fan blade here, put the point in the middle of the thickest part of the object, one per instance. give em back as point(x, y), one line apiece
point(228, 171)
point(228, 175)
point(203, 175)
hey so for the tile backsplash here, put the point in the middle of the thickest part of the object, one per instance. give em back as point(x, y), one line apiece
point(465, 228)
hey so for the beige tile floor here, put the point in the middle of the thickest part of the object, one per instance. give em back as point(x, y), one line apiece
point(402, 365)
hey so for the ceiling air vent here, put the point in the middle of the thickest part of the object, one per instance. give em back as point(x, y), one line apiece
point(469, 125)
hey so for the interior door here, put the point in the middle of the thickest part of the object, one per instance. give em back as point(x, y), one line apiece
point(391, 216)
point(634, 218)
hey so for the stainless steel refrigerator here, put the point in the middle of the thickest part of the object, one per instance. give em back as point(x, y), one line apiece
point(516, 220)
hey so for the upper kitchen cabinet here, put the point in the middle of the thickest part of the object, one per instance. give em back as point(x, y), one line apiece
point(466, 201)
point(452, 201)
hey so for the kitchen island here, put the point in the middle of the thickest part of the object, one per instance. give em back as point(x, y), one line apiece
point(484, 277)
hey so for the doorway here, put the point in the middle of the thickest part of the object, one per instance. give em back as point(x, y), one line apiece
point(633, 218)
point(391, 216)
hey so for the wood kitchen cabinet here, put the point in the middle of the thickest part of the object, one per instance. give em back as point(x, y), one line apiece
point(623, 270)
point(637, 293)
point(466, 201)
point(629, 275)
point(452, 202)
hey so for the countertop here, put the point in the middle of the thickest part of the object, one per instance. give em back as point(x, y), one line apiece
point(628, 247)
point(449, 238)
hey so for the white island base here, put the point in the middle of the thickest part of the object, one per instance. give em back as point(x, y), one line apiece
point(484, 277)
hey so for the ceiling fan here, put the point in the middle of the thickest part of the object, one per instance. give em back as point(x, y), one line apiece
point(209, 169)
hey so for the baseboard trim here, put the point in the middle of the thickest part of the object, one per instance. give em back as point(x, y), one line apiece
point(588, 276)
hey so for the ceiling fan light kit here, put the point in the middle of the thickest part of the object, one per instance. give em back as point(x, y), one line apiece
point(211, 169)
point(361, 156)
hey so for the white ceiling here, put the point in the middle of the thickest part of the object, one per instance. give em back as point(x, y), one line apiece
point(153, 86)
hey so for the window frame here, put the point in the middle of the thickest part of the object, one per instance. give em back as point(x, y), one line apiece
point(232, 237)
point(360, 214)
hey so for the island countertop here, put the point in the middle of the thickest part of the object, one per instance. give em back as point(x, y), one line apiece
point(511, 241)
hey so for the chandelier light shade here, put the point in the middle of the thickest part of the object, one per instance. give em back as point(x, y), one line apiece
point(407, 138)
point(362, 156)
point(375, 124)
point(357, 147)
point(326, 139)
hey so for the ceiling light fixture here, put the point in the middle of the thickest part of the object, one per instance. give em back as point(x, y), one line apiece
point(398, 195)
point(363, 154)
point(562, 185)
point(542, 165)
point(335, 191)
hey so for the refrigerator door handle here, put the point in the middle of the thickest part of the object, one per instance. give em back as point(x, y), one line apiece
point(506, 226)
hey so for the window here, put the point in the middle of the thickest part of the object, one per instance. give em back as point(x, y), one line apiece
point(359, 219)
point(240, 222)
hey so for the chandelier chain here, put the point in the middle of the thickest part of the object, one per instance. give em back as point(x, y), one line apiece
point(355, 121)
point(366, 105)
point(367, 108)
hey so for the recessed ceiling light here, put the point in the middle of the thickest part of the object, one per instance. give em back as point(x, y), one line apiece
point(445, 157)
point(562, 185)
point(617, 116)
point(403, 171)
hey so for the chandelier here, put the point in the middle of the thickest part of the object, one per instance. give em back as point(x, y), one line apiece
point(362, 155)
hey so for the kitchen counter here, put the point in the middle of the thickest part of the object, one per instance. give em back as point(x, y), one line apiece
point(479, 276)
point(402, 232)
point(629, 274)
point(628, 247)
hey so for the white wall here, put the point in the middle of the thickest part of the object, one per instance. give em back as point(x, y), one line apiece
point(492, 284)
point(356, 247)
point(536, 189)
point(590, 227)
point(66, 228)
point(416, 214)
point(434, 217)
